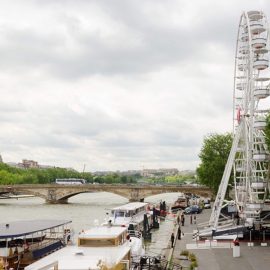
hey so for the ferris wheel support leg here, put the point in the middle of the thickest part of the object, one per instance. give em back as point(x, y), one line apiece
point(225, 180)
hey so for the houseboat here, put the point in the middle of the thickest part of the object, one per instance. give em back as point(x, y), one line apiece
point(131, 215)
point(104, 247)
point(23, 242)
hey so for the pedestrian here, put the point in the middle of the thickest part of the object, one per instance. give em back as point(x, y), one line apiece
point(172, 239)
point(179, 232)
point(190, 219)
point(183, 219)
point(178, 219)
point(195, 219)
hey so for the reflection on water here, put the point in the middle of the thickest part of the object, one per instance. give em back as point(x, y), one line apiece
point(83, 210)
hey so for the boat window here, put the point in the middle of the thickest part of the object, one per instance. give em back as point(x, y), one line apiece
point(131, 227)
point(128, 214)
point(119, 213)
point(97, 242)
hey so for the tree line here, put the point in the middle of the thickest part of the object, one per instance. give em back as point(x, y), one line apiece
point(11, 175)
point(173, 179)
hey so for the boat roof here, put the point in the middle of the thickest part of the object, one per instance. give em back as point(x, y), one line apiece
point(103, 232)
point(26, 227)
point(130, 206)
point(83, 258)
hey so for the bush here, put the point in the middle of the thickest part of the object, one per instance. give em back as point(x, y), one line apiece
point(184, 253)
point(192, 257)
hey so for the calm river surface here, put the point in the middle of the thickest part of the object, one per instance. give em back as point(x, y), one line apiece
point(85, 210)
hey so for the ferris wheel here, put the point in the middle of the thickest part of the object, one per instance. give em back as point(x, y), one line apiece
point(248, 159)
point(251, 86)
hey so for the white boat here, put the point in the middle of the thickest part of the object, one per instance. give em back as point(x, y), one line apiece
point(130, 215)
point(101, 247)
point(23, 242)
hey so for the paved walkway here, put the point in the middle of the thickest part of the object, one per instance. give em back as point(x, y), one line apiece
point(187, 230)
point(221, 258)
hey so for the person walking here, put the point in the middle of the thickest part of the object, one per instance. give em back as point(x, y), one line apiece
point(190, 219)
point(183, 219)
point(179, 232)
point(172, 239)
point(195, 219)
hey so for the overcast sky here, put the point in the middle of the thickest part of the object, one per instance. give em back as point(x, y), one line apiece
point(116, 84)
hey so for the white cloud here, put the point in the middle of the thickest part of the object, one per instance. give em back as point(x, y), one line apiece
point(116, 84)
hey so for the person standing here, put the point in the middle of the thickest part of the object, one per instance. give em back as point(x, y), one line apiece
point(172, 239)
point(179, 232)
point(195, 219)
point(183, 219)
point(190, 219)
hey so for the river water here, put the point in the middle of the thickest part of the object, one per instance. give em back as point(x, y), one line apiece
point(85, 210)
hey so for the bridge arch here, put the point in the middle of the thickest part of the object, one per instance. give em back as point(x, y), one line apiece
point(148, 193)
point(65, 198)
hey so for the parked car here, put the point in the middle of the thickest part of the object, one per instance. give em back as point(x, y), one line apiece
point(193, 209)
point(207, 204)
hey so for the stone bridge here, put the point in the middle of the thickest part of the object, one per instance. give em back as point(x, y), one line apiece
point(53, 193)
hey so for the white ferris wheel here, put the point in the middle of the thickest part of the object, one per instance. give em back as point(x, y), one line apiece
point(250, 88)
point(248, 159)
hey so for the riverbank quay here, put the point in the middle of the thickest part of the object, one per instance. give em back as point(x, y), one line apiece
point(217, 256)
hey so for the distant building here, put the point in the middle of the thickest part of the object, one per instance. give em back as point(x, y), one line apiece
point(154, 173)
point(30, 164)
point(103, 173)
point(27, 164)
point(131, 172)
point(159, 172)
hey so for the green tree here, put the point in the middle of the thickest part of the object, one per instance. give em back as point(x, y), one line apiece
point(267, 131)
point(214, 154)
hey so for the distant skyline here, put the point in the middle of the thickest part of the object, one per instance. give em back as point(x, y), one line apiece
point(116, 85)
